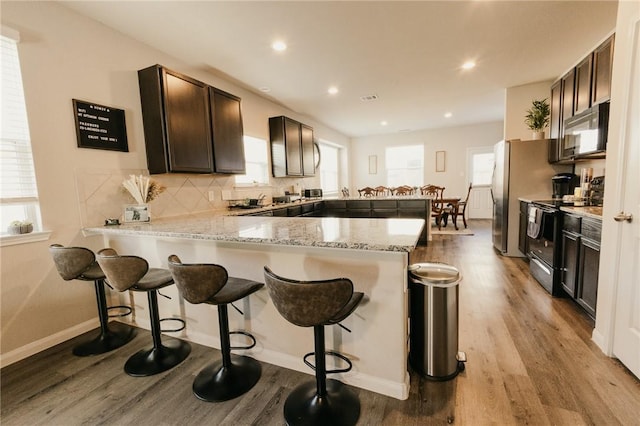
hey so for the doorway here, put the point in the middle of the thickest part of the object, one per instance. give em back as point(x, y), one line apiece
point(479, 168)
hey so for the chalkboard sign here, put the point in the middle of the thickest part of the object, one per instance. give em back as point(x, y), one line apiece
point(100, 127)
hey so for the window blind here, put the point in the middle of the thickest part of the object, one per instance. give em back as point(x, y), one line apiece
point(18, 183)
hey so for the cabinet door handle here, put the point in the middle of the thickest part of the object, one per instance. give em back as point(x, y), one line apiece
point(621, 217)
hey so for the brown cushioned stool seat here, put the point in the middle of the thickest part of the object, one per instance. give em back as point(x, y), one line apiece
point(79, 263)
point(209, 283)
point(316, 304)
point(133, 273)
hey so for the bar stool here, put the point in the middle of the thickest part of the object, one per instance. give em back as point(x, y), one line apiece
point(79, 263)
point(209, 283)
point(133, 273)
point(316, 304)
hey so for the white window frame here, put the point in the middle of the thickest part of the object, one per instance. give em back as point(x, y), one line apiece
point(260, 163)
point(471, 153)
point(418, 168)
point(328, 172)
point(16, 158)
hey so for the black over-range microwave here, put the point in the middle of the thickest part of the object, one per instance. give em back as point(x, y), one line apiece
point(586, 133)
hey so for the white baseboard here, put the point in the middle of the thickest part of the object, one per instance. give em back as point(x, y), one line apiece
point(47, 342)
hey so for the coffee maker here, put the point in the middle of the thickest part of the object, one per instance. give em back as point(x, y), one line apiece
point(564, 184)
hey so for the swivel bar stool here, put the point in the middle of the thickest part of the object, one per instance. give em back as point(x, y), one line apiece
point(133, 273)
point(316, 304)
point(79, 263)
point(209, 283)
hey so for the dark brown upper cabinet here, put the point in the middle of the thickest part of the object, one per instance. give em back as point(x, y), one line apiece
point(583, 85)
point(189, 127)
point(555, 122)
point(292, 151)
point(568, 86)
point(228, 133)
point(602, 65)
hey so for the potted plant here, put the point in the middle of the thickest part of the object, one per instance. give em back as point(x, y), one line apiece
point(20, 227)
point(537, 117)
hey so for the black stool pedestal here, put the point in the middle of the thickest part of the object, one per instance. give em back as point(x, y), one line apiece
point(115, 336)
point(230, 377)
point(216, 382)
point(111, 336)
point(340, 405)
point(148, 362)
point(164, 355)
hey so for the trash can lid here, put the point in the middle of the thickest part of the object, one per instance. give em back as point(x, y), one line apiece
point(434, 273)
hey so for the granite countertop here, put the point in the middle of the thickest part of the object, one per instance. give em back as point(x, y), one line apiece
point(594, 212)
point(396, 235)
point(386, 197)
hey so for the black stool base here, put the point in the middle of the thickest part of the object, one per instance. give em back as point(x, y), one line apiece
point(117, 335)
point(216, 383)
point(340, 406)
point(148, 362)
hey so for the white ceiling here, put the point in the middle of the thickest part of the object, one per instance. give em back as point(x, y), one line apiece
point(407, 53)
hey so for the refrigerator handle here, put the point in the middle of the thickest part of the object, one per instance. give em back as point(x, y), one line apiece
point(493, 182)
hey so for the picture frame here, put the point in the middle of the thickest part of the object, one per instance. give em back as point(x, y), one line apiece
point(373, 164)
point(136, 213)
point(441, 161)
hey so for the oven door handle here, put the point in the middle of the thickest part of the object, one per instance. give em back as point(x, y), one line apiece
point(541, 265)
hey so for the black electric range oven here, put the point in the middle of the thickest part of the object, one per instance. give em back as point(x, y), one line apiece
point(544, 233)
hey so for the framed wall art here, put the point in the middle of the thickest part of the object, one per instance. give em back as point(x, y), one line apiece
point(441, 161)
point(373, 164)
point(100, 126)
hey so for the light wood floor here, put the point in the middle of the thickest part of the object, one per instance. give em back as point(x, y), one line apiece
point(530, 361)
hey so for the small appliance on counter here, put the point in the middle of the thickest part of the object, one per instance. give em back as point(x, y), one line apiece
point(283, 199)
point(597, 191)
point(313, 193)
point(564, 184)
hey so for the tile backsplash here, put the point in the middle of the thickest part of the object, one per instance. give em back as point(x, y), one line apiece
point(101, 195)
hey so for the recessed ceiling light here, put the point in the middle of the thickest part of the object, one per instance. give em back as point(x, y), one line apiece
point(383, 123)
point(332, 90)
point(279, 46)
point(468, 65)
point(265, 89)
point(448, 115)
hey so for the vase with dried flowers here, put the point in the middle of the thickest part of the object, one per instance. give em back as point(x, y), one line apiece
point(143, 189)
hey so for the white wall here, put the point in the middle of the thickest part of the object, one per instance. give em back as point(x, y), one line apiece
point(517, 101)
point(66, 56)
point(453, 140)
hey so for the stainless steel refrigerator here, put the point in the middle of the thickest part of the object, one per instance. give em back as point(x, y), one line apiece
point(521, 170)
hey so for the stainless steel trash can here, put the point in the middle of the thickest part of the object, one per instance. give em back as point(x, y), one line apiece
point(433, 320)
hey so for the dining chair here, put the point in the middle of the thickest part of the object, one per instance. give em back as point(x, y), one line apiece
point(367, 192)
point(403, 190)
point(461, 208)
point(438, 210)
point(382, 190)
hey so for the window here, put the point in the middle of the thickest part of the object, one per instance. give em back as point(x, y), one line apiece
point(18, 190)
point(329, 170)
point(405, 165)
point(255, 154)
point(481, 166)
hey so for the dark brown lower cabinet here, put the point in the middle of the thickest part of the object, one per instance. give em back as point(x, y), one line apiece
point(570, 250)
point(523, 241)
point(581, 260)
point(587, 291)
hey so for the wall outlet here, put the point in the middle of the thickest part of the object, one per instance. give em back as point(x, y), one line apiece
point(212, 196)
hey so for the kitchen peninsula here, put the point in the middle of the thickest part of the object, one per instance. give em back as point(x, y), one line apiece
point(373, 253)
